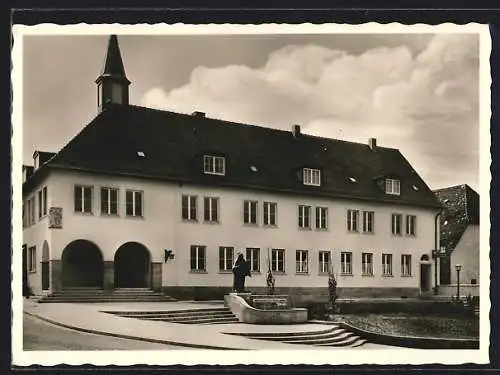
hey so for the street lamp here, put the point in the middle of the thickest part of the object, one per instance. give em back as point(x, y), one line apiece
point(458, 268)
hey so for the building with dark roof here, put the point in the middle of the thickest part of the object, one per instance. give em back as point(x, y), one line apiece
point(144, 198)
point(459, 237)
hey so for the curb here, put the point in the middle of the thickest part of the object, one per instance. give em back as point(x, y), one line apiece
point(137, 338)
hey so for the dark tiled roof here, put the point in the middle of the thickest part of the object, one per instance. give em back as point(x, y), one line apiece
point(256, 157)
point(461, 208)
point(44, 156)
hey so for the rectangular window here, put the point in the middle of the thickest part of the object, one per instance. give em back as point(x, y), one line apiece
point(253, 257)
point(32, 211)
point(352, 220)
point(24, 214)
point(250, 212)
point(406, 265)
point(44, 200)
point(214, 165)
point(83, 199)
point(311, 176)
point(304, 216)
point(367, 264)
point(346, 263)
point(211, 211)
point(278, 260)
point(270, 213)
point(109, 201)
point(411, 225)
point(40, 200)
point(189, 207)
point(226, 256)
point(301, 261)
point(32, 259)
point(392, 186)
point(133, 203)
point(28, 212)
point(197, 258)
point(387, 264)
point(368, 221)
point(324, 261)
point(396, 223)
point(321, 217)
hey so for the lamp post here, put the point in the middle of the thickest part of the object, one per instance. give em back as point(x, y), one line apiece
point(458, 268)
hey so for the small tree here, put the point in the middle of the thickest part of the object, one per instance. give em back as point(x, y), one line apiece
point(332, 290)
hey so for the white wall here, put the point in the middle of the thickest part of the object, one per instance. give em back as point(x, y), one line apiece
point(162, 228)
point(466, 253)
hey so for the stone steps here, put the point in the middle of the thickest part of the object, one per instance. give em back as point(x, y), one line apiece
point(192, 316)
point(338, 337)
point(95, 295)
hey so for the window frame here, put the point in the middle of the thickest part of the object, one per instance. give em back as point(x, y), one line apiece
point(311, 176)
point(392, 186)
point(304, 216)
point(353, 221)
point(397, 224)
point(250, 257)
point(249, 206)
point(268, 215)
point(226, 261)
point(190, 207)
point(367, 264)
point(210, 164)
point(387, 264)
point(368, 222)
point(82, 199)
point(406, 269)
point(275, 262)
point(211, 210)
point(32, 259)
point(109, 201)
point(197, 250)
point(346, 267)
point(321, 218)
point(324, 267)
point(134, 203)
point(302, 265)
point(411, 225)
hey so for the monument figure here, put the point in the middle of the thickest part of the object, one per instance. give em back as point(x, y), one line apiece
point(241, 269)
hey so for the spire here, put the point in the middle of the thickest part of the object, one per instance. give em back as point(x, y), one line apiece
point(112, 84)
point(113, 65)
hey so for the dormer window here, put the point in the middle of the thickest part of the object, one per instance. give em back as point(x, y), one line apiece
point(311, 176)
point(214, 165)
point(392, 186)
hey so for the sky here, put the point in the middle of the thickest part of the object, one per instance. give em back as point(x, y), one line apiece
point(415, 92)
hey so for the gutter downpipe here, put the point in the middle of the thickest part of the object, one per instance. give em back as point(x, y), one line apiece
point(437, 249)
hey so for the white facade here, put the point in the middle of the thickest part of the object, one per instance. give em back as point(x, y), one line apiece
point(162, 227)
point(466, 253)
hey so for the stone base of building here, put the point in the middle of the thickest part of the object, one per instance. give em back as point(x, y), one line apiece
point(299, 296)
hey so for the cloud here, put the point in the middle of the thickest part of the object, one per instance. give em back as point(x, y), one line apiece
point(424, 104)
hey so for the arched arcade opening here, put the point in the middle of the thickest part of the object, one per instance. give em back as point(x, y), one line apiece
point(132, 266)
point(82, 265)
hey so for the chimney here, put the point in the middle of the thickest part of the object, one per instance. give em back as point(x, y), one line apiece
point(296, 130)
point(372, 142)
point(198, 114)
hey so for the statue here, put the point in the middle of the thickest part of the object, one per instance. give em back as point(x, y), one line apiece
point(241, 269)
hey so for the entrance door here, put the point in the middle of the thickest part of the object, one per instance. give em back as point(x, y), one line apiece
point(25, 271)
point(425, 273)
point(45, 266)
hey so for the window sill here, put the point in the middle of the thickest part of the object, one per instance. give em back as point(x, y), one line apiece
point(251, 225)
point(278, 273)
point(188, 221)
point(321, 229)
point(304, 228)
point(411, 235)
point(397, 235)
point(387, 275)
point(367, 275)
point(198, 271)
point(346, 274)
point(110, 215)
point(323, 274)
point(352, 231)
point(406, 275)
point(211, 222)
point(368, 233)
point(302, 273)
point(270, 226)
point(134, 217)
point(84, 213)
